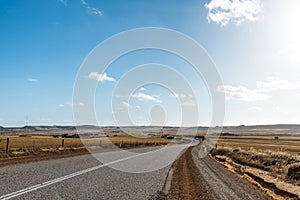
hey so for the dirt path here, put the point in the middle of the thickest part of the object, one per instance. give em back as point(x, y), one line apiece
point(195, 178)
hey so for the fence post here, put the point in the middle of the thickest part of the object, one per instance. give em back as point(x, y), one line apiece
point(63, 143)
point(7, 143)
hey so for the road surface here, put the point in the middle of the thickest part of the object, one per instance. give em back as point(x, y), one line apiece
point(84, 177)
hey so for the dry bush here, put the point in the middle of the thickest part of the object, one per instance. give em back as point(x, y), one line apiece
point(221, 151)
point(262, 159)
point(293, 171)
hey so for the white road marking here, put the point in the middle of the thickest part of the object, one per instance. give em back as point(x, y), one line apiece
point(51, 182)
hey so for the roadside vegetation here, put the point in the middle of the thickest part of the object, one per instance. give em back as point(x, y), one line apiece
point(26, 145)
point(281, 164)
point(270, 163)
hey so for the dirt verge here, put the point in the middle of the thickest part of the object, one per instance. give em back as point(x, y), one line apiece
point(185, 180)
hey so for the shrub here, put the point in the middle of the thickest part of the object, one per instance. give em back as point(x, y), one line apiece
point(55, 136)
point(170, 137)
point(200, 137)
point(263, 159)
point(65, 135)
point(293, 171)
point(220, 151)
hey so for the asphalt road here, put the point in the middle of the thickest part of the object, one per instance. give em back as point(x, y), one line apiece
point(136, 174)
point(124, 175)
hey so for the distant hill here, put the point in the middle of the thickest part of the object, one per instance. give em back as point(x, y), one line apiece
point(279, 130)
point(88, 127)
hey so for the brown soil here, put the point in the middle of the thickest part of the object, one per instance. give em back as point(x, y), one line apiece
point(186, 183)
point(203, 178)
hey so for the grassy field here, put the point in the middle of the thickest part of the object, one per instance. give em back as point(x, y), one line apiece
point(283, 144)
point(278, 157)
point(22, 146)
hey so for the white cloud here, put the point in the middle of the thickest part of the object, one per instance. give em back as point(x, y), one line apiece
point(101, 77)
point(224, 11)
point(70, 104)
point(125, 104)
point(264, 88)
point(145, 97)
point(180, 95)
point(32, 80)
point(185, 98)
point(143, 89)
point(256, 108)
point(92, 10)
point(138, 107)
point(273, 84)
point(188, 103)
point(242, 93)
point(65, 104)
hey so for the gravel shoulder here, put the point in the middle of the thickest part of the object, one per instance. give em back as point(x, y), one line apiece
point(204, 178)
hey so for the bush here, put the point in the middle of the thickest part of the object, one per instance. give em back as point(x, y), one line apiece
point(65, 135)
point(170, 137)
point(293, 171)
point(55, 136)
point(220, 151)
point(262, 159)
point(200, 137)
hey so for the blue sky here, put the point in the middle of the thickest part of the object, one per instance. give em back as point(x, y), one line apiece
point(254, 44)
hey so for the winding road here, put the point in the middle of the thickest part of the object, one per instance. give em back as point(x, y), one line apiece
point(136, 174)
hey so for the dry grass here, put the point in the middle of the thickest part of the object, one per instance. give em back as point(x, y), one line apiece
point(24, 146)
point(284, 144)
point(276, 157)
point(36, 142)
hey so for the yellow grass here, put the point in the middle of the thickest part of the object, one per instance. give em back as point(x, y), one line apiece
point(286, 144)
point(277, 157)
point(39, 142)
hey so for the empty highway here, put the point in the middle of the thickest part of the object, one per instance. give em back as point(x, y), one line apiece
point(124, 175)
